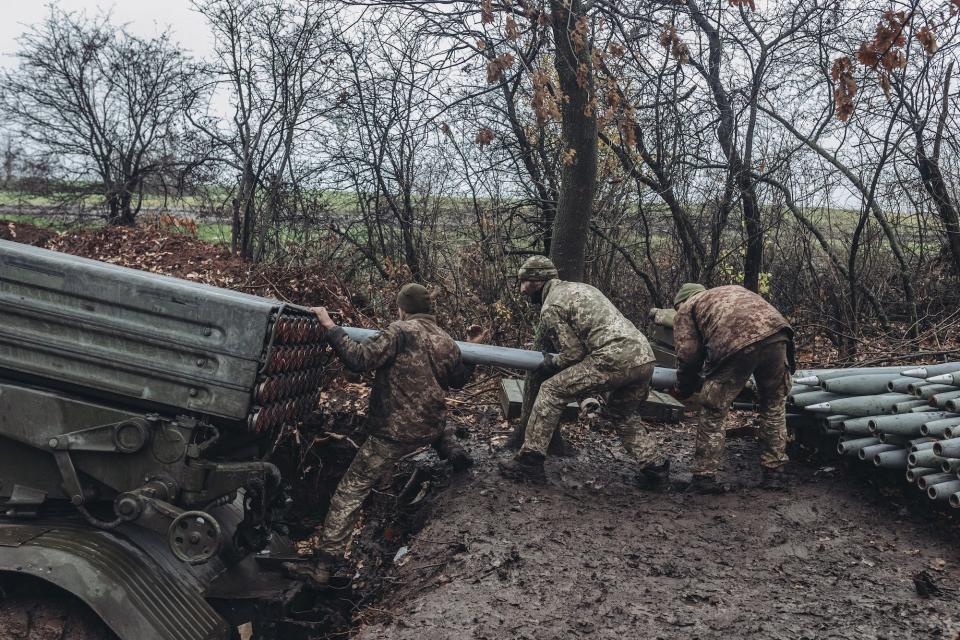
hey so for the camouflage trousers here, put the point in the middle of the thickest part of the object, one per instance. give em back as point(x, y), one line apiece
point(767, 362)
point(625, 391)
point(373, 459)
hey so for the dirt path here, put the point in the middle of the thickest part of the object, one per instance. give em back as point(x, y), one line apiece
point(590, 555)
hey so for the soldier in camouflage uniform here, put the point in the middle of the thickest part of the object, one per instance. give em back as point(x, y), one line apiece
point(415, 362)
point(600, 351)
point(723, 336)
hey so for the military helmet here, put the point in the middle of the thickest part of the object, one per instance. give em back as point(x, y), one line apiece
point(414, 298)
point(537, 269)
point(687, 291)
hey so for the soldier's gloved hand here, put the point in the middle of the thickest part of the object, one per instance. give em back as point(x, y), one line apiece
point(548, 367)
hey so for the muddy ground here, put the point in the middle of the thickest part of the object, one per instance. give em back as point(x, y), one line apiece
point(589, 554)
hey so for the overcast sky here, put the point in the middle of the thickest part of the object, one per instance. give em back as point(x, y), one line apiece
point(143, 17)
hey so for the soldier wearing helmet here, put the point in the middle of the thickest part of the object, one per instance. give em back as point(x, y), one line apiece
point(416, 362)
point(723, 336)
point(599, 351)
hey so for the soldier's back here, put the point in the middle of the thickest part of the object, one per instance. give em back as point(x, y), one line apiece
point(731, 318)
point(605, 332)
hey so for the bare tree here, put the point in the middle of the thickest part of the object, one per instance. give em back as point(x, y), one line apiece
point(386, 118)
point(274, 63)
point(105, 105)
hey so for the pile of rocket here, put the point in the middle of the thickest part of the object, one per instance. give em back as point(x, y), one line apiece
point(901, 418)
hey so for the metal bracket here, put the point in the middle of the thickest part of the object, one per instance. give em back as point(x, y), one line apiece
point(126, 436)
point(71, 481)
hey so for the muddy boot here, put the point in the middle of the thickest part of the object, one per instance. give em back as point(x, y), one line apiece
point(526, 465)
point(774, 479)
point(460, 460)
point(654, 476)
point(706, 485)
point(315, 572)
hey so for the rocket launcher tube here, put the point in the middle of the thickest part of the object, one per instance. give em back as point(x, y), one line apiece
point(946, 378)
point(907, 424)
point(510, 358)
point(938, 427)
point(915, 386)
point(936, 478)
point(860, 385)
point(929, 390)
point(804, 400)
point(951, 432)
point(900, 385)
point(916, 473)
point(856, 426)
point(940, 400)
point(908, 405)
point(853, 447)
point(950, 465)
point(891, 459)
point(925, 458)
point(862, 405)
point(931, 370)
point(947, 448)
point(867, 453)
point(943, 490)
point(819, 376)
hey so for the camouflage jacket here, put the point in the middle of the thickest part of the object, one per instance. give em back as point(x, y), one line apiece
point(580, 321)
point(416, 362)
point(713, 325)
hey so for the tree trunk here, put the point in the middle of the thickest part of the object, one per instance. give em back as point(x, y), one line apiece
point(235, 228)
point(127, 218)
point(937, 188)
point(578, 184)
point(753, 225)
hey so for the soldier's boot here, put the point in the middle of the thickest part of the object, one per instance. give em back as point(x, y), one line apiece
point(460, 460)
point(449, 449)
point(774, 479)
point(654, 476)
point(526, 465)
point(706, 485)
point(317, 571)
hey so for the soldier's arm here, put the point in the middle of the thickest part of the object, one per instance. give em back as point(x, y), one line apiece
point(690, 352)
point(558, 330)
point(372, 353)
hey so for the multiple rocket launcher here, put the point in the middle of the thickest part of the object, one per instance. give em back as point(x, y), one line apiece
point(902, 418)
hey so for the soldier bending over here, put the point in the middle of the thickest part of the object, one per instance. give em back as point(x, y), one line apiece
point(726, 334)
point(416, 362)
point(599, 351)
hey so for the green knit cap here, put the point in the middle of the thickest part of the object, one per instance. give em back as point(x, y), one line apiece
point(414, 298)
point(687, 291)
point(537, 269)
